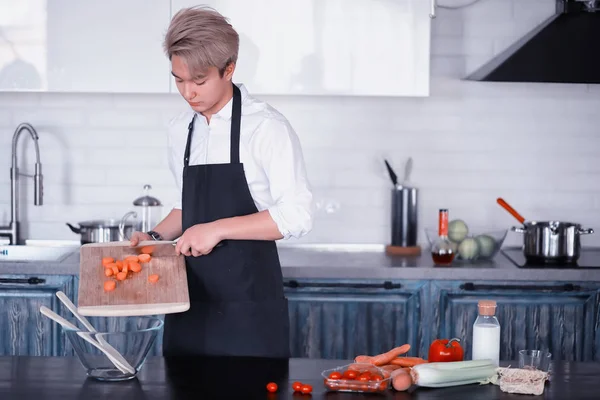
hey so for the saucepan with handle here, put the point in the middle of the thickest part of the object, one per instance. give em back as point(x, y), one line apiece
point(556, 242)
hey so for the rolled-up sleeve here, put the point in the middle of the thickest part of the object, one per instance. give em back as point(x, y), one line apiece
point(282, 160)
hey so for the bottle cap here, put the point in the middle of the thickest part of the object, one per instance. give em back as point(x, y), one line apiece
point(486, 307)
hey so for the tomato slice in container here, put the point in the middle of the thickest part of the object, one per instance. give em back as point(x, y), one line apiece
point(356, 377)
point(335, 375)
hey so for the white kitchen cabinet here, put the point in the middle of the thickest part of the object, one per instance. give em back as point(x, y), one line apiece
point(330, 47)
point(287, 47)
point(84, 46)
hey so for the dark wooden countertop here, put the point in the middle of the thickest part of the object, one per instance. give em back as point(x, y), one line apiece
point(51, 378)
point(363, 262)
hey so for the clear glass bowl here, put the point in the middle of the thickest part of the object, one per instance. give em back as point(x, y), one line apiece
point(133, 337)
point(492, 243)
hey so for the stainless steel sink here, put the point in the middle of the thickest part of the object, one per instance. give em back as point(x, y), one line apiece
point(37, 251)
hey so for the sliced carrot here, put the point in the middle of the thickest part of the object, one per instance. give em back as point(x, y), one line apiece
point(122, 276)
point(110, 265)
point(147, 249)
point(107, 260)
point(115, 269)
point(108, 272)
point(126, 268)
point(153, 278)
point(144, 258)
point(135, 267)
point(131, 258)
point(109, 286)
point(119, 264)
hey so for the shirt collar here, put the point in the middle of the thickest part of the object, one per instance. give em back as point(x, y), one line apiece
point(225, 112)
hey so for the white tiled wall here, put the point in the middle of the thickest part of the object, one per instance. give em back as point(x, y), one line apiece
point(536, 145)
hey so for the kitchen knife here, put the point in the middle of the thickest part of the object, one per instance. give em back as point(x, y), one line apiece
point(161, 247)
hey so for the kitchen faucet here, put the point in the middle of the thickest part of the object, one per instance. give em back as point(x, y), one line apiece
point(12, 230)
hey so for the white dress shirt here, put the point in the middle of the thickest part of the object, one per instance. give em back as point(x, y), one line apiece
point(269, 149)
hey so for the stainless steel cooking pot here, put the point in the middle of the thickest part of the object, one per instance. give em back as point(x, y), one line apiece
point(551, 241)
point(101, 231)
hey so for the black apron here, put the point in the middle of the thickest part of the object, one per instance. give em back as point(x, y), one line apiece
point(237, 304)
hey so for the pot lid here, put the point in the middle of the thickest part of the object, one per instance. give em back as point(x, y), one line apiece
point(147, 200)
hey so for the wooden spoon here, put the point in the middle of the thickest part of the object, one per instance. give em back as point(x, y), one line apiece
point(511, 210)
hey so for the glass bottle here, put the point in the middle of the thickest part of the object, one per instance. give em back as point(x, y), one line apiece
point(443, 250)
point(486, 333)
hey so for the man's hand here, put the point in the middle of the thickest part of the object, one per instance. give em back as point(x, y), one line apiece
point(137, 237)
point(198, 240)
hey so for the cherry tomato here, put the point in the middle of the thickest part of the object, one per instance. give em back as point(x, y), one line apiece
point(349, 374)
point(335, 375)
point(364, 377)
point(306, 389)
point(272, 387)
point(297, 386)
point(376, 377)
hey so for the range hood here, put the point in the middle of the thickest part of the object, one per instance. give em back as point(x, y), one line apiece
point(563, 49)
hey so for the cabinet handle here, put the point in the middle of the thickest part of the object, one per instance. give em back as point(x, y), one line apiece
point(385, 285)
point(433, 7)
point(30, 281)
point(567, 287)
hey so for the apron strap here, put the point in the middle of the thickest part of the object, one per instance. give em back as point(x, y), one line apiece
point(236, 122)
point(186, 156)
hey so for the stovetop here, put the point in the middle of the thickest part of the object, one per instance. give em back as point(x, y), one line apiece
point(589, 258)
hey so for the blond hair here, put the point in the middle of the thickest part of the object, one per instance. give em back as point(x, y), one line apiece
point(203, 38)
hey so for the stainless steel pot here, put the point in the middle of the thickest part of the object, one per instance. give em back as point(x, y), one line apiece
point(101, 231)
point(551, 241)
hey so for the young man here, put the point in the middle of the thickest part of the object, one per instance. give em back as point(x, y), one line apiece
point(239, 166)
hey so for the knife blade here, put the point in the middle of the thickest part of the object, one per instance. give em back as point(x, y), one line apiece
point(391, 172)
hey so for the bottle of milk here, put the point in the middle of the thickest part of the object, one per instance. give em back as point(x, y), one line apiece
point(486, 333)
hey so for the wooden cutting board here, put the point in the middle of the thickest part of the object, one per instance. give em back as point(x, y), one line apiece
point(135, 295)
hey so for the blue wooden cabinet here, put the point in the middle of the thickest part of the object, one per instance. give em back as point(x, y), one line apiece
point(335, 319)
point(559, 317)
point(23, 329)
point(332, 318)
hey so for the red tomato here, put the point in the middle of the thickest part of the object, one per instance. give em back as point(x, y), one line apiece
point(335, 375)
point(364, 377)
point(349, 374)
point(272, 387)
point(306, 389)
point(297, 386)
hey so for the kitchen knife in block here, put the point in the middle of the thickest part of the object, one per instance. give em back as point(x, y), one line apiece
point(135, 295)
